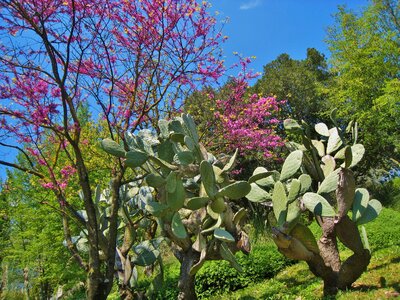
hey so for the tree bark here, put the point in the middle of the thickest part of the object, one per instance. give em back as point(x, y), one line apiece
point(4, 280)
point(186, 282)
point(328, 245)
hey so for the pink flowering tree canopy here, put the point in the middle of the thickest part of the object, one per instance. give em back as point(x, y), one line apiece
point(233, 118)
point(130, 60)
point(127, 62)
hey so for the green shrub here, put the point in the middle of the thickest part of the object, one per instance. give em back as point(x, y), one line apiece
point(169, 289)
point(264, 261)
point(384, 231)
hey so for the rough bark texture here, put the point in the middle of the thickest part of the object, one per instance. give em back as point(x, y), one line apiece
point(4, 280)
point(328, 245)
point(186, 281)
point(326, 264)
point(356, 264)
point(352, 269)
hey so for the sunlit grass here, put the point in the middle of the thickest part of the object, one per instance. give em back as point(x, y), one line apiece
point(381, 281)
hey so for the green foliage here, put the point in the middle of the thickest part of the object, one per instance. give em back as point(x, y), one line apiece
point(388, 192)
point(35, 240)
point(365, 58)
point(384, 232)
point(218, 277)
point(300, 82)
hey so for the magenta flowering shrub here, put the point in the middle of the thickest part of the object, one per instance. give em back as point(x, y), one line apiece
point(248, 122)
point(250, 125)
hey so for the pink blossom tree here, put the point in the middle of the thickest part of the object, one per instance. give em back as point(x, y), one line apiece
point(129, 61)
point(233, 118)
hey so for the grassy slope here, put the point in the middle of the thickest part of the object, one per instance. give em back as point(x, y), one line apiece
point(381, 281)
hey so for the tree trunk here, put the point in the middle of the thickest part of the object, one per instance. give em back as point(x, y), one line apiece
point(186, 282)
point(4, 280)
point(330, 255)
point(26, 282)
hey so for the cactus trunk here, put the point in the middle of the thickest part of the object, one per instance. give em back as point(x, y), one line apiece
point(186, 282)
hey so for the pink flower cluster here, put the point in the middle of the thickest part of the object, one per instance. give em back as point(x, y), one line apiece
point(61, 183)
point(249, 122)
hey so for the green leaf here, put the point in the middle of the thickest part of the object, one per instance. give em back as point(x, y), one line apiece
point(357, 152)
point(162, 163)
point(176, 126)
point(155, 181)
point(330, 183)
point(306, 182)
point(212, 226)
point(322, 129)
point(177, 137)
point(135, 158)
point(178, 229)
point(190, 143)
point(216, 207)
point(190, 125)
point(371, 212)
point(163, 125)
point(228, 255)
point(235, 190)
point(318, 205)
point(171, 182)
point(341, 153)
point(208, 178)
point(334, 141)
point(305, 236)
point(348, 157)
point(257, 194)
point(196, 202)
point(223, 235)
point(112, 147)
point(263, 177)
point(155, 208)
point(290, 124)
point(293, 213)
point(280, 202)
point(231, 163)
point(166, 151)
point(184, 158)
point(328, 164)
point(176, 199)
point(319, 146)
point(291, 164)
point(360, 203)
point(146, 254)
point(239, 215)
point(294, 190)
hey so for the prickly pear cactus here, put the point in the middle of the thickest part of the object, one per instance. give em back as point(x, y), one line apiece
point(317, 177)
point(191, 193)
point(137, 245)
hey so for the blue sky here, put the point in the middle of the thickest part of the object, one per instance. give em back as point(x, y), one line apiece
point(267, 28)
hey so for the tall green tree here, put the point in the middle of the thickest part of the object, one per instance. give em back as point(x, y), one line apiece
point(365, 58)
point(32, 244)
point(301, 82)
